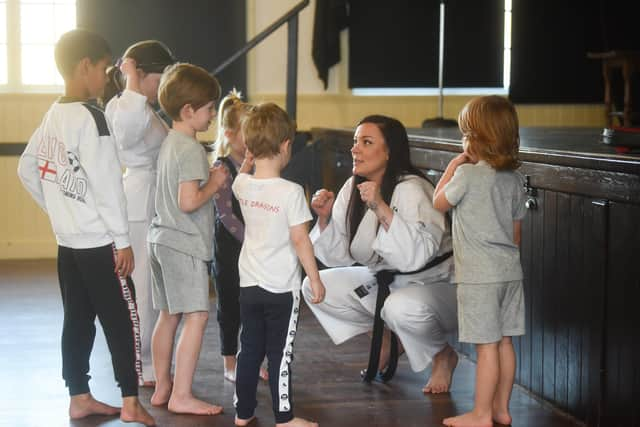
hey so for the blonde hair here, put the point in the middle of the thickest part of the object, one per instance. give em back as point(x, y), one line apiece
point(490, 126)
point(186, 84)
point(265, 128)
point(230, 113)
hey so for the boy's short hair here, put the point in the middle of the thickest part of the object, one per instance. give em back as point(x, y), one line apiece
point(490, 126)
point(265, 128)
point(74, 46)
point(186, 84)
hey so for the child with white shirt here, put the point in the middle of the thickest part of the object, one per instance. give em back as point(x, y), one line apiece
point(71, 169)
point(139, 132)
point(276, 214)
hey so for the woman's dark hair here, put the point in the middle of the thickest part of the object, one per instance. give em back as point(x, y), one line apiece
point(399, 164)
point(151, 56)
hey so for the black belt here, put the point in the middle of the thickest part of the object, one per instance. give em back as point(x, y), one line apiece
point(384, 279)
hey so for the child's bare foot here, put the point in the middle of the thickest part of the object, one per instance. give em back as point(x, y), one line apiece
point(162, 393)
point(230, 376)
point(298, 422)
point(502, 417)
point(264, 374)
point(134, 412)
point(468, 420)
point(444, 363)
point(191, 405)
point(242, 422)
point(230, 368)
point(82, 405)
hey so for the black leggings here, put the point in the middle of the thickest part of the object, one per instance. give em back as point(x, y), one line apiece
point(269, 323)
point(227, 282)
point(90, 288)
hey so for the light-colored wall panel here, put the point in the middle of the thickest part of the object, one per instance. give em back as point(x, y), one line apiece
point(20, 114)
point(267, 66)
point(25, 231)
point(346, 110)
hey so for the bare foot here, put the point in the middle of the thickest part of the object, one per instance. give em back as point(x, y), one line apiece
point(230, 376)
point(82, 405)
point(230, 368)
point(191, 405)
point(161, 394)
point(134, 412)
point(241, 422)
point(502, 417)
point(298, 422)
point(385, 352)
point(444, 363)
point(264, 374)
point(468, 420)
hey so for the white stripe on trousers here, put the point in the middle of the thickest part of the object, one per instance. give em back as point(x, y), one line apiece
point(287, 355)
point(133, 316)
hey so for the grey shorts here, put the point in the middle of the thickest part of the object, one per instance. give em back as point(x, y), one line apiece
point(180, 281)
point(489, 311)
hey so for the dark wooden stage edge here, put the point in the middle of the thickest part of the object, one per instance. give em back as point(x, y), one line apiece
point(580, 246)
point(10, 149)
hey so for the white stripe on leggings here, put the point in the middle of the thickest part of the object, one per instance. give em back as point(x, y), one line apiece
point(287, 355)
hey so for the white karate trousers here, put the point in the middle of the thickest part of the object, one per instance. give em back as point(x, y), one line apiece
point(420, 315)
point(141, 277)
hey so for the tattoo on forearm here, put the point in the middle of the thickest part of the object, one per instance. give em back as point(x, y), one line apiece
point(372, 205)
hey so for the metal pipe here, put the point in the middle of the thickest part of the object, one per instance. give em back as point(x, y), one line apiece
point(441, 63)
point(292, 66)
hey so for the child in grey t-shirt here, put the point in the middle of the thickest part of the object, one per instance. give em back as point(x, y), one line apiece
point(487, 198)
point(180, 240)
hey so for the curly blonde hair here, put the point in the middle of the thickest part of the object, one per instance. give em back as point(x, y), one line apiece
point(490, 126)
point(230, 113)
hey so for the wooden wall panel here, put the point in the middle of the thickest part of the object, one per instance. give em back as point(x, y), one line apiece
point(574, 314)
point(622, 373)
point(524, 343)
point(550, 287)
point(564, 300)
point(591, 300)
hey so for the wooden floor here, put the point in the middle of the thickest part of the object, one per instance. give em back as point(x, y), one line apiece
point(326, 383)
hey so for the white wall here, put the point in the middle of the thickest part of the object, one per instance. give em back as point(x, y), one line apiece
point(267, 66)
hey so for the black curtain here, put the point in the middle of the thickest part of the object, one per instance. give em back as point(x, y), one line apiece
point(330, 18)
point(395, 44)
point(550, 41)
point(203, 32)
point(619, 30)
point(474, 43)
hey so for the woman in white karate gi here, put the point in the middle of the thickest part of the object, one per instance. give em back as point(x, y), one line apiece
point(383, 219)
point(139, 131)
